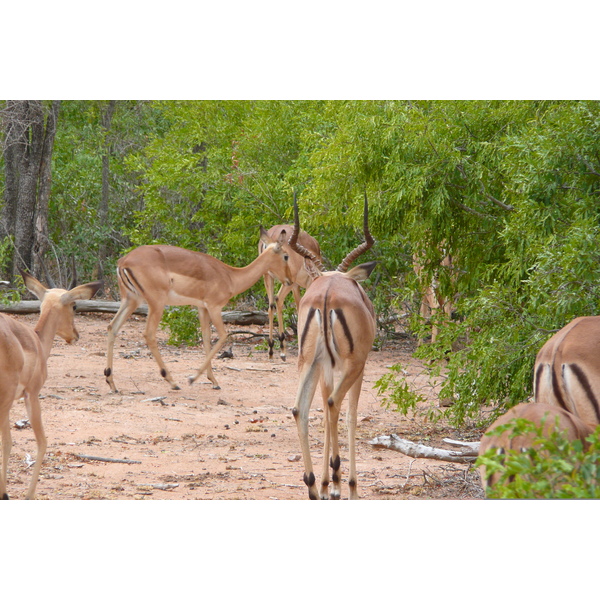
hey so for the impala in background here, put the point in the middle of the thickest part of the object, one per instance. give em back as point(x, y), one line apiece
point(168, 275)
point(300, 278)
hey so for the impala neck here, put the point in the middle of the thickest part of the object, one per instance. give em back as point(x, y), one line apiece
point(46, 328)
point(245, 277)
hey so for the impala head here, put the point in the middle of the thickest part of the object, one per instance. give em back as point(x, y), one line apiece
point(313, 264)
point(280, 262)
point(60, 302)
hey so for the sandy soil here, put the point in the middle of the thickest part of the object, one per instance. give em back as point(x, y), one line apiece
point(239, 442)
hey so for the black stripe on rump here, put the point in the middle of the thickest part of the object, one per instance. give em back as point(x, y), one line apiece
point(342, 319)
point(309, 318)
point(133, 283)
point(556, 389)
point(587, 388)
point(325, 329)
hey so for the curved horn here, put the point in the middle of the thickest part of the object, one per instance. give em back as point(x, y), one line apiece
point(293, 241)
point(369, 241)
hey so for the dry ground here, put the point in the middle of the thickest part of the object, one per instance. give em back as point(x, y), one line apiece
point(239, 442)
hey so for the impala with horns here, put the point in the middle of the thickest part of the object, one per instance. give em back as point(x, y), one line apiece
point(567, 369)
point(168, 275)
point(24, 353)
point(299, 276)
point(336, 330)
point(549, 417)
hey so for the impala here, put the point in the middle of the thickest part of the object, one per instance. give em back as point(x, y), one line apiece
point(567, 369)
point(432, 301)
point(300, 278)
point(24, 352)
point(336, 329)
point(552, 417)
point(168, 275)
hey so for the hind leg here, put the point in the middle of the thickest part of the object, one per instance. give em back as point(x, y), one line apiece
point(35, 418)
point(6, 447)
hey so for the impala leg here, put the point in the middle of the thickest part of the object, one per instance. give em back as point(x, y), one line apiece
point(32, 403)
point(269, 286)
point(206, 316)
point(306, 391)
point(6, 447)
point(347, 380)
point(205, 326)
point(128, 305)
point(279, 301)
point(326, 389)
point(354, 396)
point(155, 313)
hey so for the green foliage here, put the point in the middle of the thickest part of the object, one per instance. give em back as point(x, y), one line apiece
point(509, 189)
point(183, 325)
point(553, 467)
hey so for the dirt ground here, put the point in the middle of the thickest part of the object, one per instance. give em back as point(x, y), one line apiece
point(239, 442)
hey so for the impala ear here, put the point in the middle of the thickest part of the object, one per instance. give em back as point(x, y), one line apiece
point(362, 272)
point(264, 236)
point(81, 292)
point(33, 285)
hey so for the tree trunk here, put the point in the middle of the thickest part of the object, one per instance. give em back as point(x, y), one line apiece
point(29, 142)
point(41, 243)
point(104, 200)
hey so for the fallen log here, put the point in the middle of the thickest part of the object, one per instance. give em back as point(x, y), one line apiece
point(235, 317)
point(467, 454)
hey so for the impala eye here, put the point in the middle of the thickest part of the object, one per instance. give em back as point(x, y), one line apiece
point(286, 257)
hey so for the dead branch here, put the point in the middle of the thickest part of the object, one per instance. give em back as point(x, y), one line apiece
point(393, 442)
point(112, 460)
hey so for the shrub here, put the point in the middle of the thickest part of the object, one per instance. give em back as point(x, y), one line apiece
point(552, 467)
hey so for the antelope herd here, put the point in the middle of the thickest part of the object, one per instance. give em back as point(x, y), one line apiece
point(336, 331)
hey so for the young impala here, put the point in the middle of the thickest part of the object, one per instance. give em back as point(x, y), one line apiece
point(168, 275)
point(300, 279)
point(24, 352)
point(336, 329)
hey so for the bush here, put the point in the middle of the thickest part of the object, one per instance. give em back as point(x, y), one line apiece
point(553, 467)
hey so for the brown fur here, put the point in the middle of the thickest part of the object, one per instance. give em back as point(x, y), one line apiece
point(24, 352)
point(569, 425)
point(336, 327)
point(567, 369)
point(299, 276)
point(167, 275)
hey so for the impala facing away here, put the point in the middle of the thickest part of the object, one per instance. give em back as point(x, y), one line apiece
point(336, 329)
point(567, 369)
point(299, 276)
point(553, 418)
point(24, 352)
point(168, 275)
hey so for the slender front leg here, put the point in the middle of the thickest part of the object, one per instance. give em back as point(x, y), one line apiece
point(205, 318)
point(155, 313)
point(279, 301)
point(269, 286)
